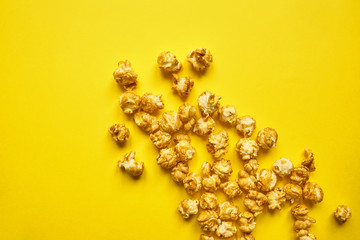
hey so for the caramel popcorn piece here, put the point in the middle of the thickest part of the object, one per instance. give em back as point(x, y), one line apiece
point(187, 116)
point(266, 180)
point(179, 172)
point(125, 76)
point(267, 138)
point(206, 169)
point(309, 160)
point(255, 201)
point(246, 126)
point(231, 189)
point(150, 103)
point(227, 115)
point(303, 224)
point(170, 122)
point(206, 237)
point(299, 175)
point(247, 222)
point(342, 213)
point(160, 139)
point(217, 144)
point(293, 192)
point(313, 192)
point(168, 62)
point(276, 198)
point(300, 211)
point(146, 122)
point(182, 86)
point(131, 166)
point(208, 201)
point(192, 183)
point(188, 207)
point(208, 220)
point(185, 150)
point(167, 158)
point(247, 148)
point(181, 137)
point(251, 166)
point(303, 221)
point(228, 211)
point(199, 58)
point(204, 126)
point(211, 183)
point(305, 235)
point(247, 237)
point(222, 168)
point(283, 167)
point(119, 132)
point(246, 181)
point(129, 102)
point(226, 229)
point(208, 103)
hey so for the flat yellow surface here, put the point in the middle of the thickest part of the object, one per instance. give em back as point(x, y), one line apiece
point(292, 65)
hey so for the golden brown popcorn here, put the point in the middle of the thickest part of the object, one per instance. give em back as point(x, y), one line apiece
point(299, 175)
point(187, 115)
point(266, 180)
point(182, 86)
point(246, 237)
point(305, 235)
point(300, 211)
point(129, 164)
point(217, 144)
point(342, 213)
point(170, 122)
point(255, 201)
point(199, 58)
point(168, 62)
point(293, 192)
point(211, 183)
point(222, 168)
point(246, 181)
point(179, 172)
point(181, 137)
point(231, 189)
point(185, 150)
point(188, 207)
point(267, 138)
point(150, 103)
point(303, 224)
point(160, 139)
point(251, 166)
point(303, 221)
point(247, 222)
point(276, 198)
point(129, 102)
point(226, 229)
point(246, 126)
point(146, 122)
point(247, 148)
point(119, 132)
point(228, 211)
point(208, 220)
point(204, 126)
point(208, 103)
point(227, 114)
point(309, 160)
point(206, 237)
point(125, 76)
point(283, 167)
point(313, 192)
point(192, 183)
point(208, 201)
point(167, 158)
point(206, 169)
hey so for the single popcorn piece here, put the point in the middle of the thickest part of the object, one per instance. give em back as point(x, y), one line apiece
point(125, 76)
point(167, 158)
point(206, 237)
point(227, 115)
point(222, 168)
point(309, 160)
point(293, 192)
point(146, 122)
point(211, 183)
point(192, 183)
point(247, 222)
point(247, 148)
point(119, 132)
point(182, 86)
point(342, 213)
point(170, 122)
point(246, 181)
point(303, 224)
point(129, 102)
point(299, 175)
point(160, 139)
point(181, 137)
point(303, 221)
point(208, 201)
point(188, 207)
point(185, 150)
point(208, 220)
point(305, 235)
point(187, 115)
point(217, 144)
point(206, 169)
point(204, 126)
point(208, 103)
point(200, 58)
point(266, 180)
point(283, 167)
point(313, 192)
point(226, 229)
point(267, 138)
point(131, 166)
point(255, 201)
point(231, 189)
point(150, 103)
point(246, 126)
point(179, 172)
point(247, 237)
point(168, 62)
point(276, 198)
point(251, 166)
point(228, 211)
point(300, 211)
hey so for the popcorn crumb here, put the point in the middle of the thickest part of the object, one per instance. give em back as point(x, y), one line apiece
point(179, 172)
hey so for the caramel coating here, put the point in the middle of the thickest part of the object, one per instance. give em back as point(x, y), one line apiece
point(185, 150)
point(245, 126)
point(170, 122)
point(276, 198)
point(231, 189)
point(208, 220)
point(313, 192)
point(308, 161)
point(167, 158)
point(251, 166)
point(200, 58)
point(226, 229)
point(179, 172)
point(266, 180)
point(192, 183)
point(222, 168)
point(293, 192)
point(247, 148)
point(151, 103)
point(228, 211)
point(283, 167)
point(160, 139)
point(208, 103)
point(246, 181)
point(299, 175)
point(342, 213)
point(227, 115)
point(247, 222)
point(208, 201)
point(204, 126)
point(217, 144)
point(131, 166)
point(119, 132)
point(181, 137)
point(129, 102)
point(125, 76)
point(255, 201)
point(267, 138)
point(187, 115)
point(168, 62)
point(188, 207)
point(206, 237)
point(182, 86)
point(146, 122)
point(247, 237)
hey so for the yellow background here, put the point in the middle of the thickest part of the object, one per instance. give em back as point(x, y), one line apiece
point(292, 65)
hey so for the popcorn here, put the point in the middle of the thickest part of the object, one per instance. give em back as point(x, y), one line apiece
point(185, 150)
point(129, 102)
point(299, 175)
point(125, 76)
point(199, 58)
point(150, 103)
point(167, 158)
point(204, 126)
point(313, 192)
point(160, 139)
point(247, 222)
point(206, 169)
point(222, 168)
point(226, 229)
point(170, 122)
point(188, 207)
point(247, 237)
point(119, 132)
point(227, 115)
point(192, 183)
point(179, 172)
point(231, 189)
point(146, 122)
point(305, 235)
point(181, 137)
point(211, 183)
point(228, 211)
point(168, 62)
point(247, 149)
point(206, 237)
point(208, 103)
point(255, 201)
point(308, 161)
point(342, 213)
point(251, 166)
point(208, 201)
point(276, 198)
point(245, 126)
point(208, 220)
point(246, 181)
point(283, 167)
point(266, 180)
point(303, 222)
point(183, 86)
point(293, 192)
point(217, 144)
point(267, 138)
point(300, 211)
point(129, 164)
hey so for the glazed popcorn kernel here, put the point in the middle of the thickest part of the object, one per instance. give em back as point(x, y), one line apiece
point(204, 126)
point(283, 167)
point(168, 62)
point(342, 213)
point(226, 229)
point(246, 182)
point(208, 103)
point(246, 126)
point(160, 139)
point(188, 207)
point(167, 158)
point(247, 148)
point(231, 189)
point(293, 192)
point(276, 198)
point(228, 211)
point(227, 115)
point(150, 103)
point(300, 211)
point(119, 132)
point(206, 169)
point(305, 235)
point(129, 164)
point(125, 76)
point(185, 150)
point(251, 166)
point(199, 58)
point(266, 180)
point(206, 237)
point(187, 114)
point(179, 172)
point(303, 224)
point(255, 201)
point(309, 160)
point(246, 237)
point(208, 220)
point(146, 122)
point(217, 144)
point(208, 201)
point(181, 137)
point(211, 183)
point(183, 86)
point(192, 183)
point(222, 168)
point(313, 192)
point(299, 175)
point(129, 102)
point(247, 222)
point(267, 138)
point(170, 122)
